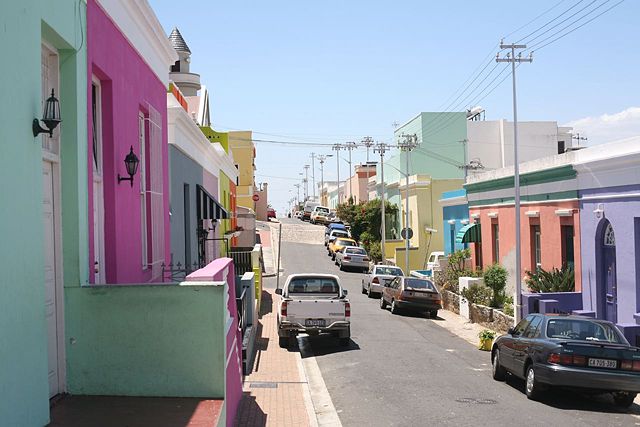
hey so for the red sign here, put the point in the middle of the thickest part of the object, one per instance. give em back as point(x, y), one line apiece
point(256, 197)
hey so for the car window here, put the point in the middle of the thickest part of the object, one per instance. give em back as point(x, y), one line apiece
point(355, 251)
point(432, 258)
point(396, 283)
point(313, 285)
point(533, 330)
point(389, 271)
point(520, 327)
point(345, 242)
point(584, 330)
point(419, 284)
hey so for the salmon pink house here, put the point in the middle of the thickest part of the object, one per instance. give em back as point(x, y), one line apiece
point(128, 184)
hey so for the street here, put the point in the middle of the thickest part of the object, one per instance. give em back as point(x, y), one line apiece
point(410, 370)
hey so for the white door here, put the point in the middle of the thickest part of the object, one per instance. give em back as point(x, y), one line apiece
point(50, 273)
point(98, 197)
point(52, 232)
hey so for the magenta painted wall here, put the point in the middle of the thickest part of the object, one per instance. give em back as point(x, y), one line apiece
point(128, 85)
point(222, 269)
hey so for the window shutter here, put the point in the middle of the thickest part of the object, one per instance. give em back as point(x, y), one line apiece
point(154, 192)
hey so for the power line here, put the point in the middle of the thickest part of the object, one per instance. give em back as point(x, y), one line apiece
point(566, 19)
point(548, 22)
point(531, 22)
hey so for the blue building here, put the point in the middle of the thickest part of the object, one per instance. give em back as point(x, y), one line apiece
point(455, 217)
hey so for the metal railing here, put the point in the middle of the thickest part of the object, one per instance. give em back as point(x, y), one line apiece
point(242, 305)
point(241, 260)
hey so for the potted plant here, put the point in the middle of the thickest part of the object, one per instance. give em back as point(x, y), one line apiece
point(486, 339)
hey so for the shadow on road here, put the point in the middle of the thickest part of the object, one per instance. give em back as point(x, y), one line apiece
point(574, 400)
point(321, 345)
point(266, 303)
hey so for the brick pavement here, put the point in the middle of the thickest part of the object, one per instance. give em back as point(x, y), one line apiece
point(274, 393)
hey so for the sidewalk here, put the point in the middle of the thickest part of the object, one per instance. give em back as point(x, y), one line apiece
point(268, 252)
point(277, 392)
point(459, 326)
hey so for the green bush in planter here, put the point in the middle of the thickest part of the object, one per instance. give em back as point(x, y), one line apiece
point(554, 280)
point(495, 277)
point(478, 294)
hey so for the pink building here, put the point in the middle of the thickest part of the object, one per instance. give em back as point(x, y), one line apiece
point(128, 57)
point(357, 185)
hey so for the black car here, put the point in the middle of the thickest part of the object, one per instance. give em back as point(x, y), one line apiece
point(569, 351)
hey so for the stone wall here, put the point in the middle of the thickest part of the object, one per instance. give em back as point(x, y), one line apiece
point(490, 317)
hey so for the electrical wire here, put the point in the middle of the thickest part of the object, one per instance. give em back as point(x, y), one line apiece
point(548, 22)
point(568, 18)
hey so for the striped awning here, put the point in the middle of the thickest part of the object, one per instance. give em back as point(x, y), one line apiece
point(470, 233)
point(207, 206)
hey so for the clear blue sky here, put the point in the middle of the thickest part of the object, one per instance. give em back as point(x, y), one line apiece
point(338, 70)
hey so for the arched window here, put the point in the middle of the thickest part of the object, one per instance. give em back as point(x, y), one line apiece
point(609, 236)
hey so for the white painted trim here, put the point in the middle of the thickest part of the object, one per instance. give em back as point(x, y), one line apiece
point(98, 178)
point(453, 201)
point(532, 214)
point(464, 221)
point(564, 212)
point(611, 196)
point(139, 24)
point(452, 221)
point(492, 214)
point(233, 349)
point(475, 215)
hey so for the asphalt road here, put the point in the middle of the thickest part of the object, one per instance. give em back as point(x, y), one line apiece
point(403, 370)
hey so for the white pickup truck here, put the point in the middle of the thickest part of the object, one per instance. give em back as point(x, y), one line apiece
point(313, 304)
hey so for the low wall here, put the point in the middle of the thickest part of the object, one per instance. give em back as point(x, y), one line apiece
point(146, 340)
point(450, 301)
point(567, 301)
point(490, 317)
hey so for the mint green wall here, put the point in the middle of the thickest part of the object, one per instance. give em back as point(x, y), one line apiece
point(162, 340)
point(23, 358)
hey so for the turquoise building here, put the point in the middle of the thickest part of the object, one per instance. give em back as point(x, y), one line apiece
point(455, 217)
point(43, 219)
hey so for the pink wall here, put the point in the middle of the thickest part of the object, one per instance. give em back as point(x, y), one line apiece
point(219, 270)
point(550, 237)
point(128, 86)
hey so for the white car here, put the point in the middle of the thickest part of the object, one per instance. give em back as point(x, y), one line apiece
point(434, 261)
point(319, 215)
point(379, 274)
point(334, 234)
point(353, 258)
point(313, 304)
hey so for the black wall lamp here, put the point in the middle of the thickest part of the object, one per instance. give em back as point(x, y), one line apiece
point(50, 117)
point(131, 162)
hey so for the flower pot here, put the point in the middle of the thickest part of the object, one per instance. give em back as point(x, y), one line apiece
point(485, 344)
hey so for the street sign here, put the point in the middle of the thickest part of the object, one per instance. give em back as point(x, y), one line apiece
point(404, 232)
point(256, 197)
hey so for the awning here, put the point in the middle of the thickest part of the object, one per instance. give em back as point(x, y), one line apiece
point(470, 233)
point(207, 206)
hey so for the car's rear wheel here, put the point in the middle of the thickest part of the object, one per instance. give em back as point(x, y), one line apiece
point(283, 342)
point(497, 370)
point(532, 386)
point(369, 293)
point(364, 290)
point(383, 303)
point(624, 399)
point(394, 307)
point(433, 314)
point(341, 266)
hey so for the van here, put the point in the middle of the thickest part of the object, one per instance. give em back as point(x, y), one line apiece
point(308, 208)
point(319, 215)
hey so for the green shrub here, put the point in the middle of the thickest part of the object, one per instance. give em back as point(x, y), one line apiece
point(507, 306)
point(456, 269)
point(486, 334)
point(555, 280)
point(495, 277)
point(478, 294)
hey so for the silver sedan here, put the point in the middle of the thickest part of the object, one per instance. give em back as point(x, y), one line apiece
point(379, 274)
point(352, 257)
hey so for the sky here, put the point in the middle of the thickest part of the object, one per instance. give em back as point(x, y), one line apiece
point(336, 71)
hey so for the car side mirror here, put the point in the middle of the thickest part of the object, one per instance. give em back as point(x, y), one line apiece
point(345, 292)
point(511, 331)
point(279, 291)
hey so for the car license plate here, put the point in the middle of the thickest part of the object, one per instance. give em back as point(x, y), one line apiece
point(603, 363)
point(315, 322)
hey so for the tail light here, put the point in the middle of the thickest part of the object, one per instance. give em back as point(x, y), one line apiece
point(366, 259)
point(438, 301)
point(567, 359)
point(347, 309)
point(375, 280)
point(283, 309)
point(346, 258)
point(630, 365)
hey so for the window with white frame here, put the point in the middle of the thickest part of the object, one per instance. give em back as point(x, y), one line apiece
point(142, 168)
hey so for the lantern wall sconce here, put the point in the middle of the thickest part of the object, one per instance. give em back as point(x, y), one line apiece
point(131, 162)
point(50, 117)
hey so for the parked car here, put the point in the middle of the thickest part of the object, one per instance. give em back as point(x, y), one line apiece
point(334, 234)
point(434, 260)
point(334, 226)
point(271, 213)
point(411, 293)
point(308, 208)
point(319, 215)
point(354, 258)
point(339, 244)
point(571, 352)
point(314, 304)
point(297, 214)
point(378, 275)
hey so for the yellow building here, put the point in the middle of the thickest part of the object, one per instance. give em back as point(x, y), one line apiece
point(244, 154)
point(425, 219)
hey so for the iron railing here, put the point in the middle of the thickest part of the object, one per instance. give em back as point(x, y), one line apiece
point(242, 260)
point(242, 305)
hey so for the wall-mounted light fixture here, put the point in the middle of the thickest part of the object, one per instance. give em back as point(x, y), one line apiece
point(131, 163)
point(50, 117)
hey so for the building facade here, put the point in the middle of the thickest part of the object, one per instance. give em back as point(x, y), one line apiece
point(455, 217)
point(356, 186)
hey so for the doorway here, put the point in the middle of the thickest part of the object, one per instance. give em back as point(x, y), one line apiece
point(606, 266)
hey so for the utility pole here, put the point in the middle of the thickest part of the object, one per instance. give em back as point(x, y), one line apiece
point(298, 187)
point(306, 182)
point(410, 142)
point(313, 174)
point(381, 148)
point(350, 146)
point(367, 141)
point(337, 148)
point(322, 158)
point(579, 138)
point(511, 58)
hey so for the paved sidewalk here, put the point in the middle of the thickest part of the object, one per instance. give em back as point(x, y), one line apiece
point(459, 326)
point(267, 249)
point(276, 393)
